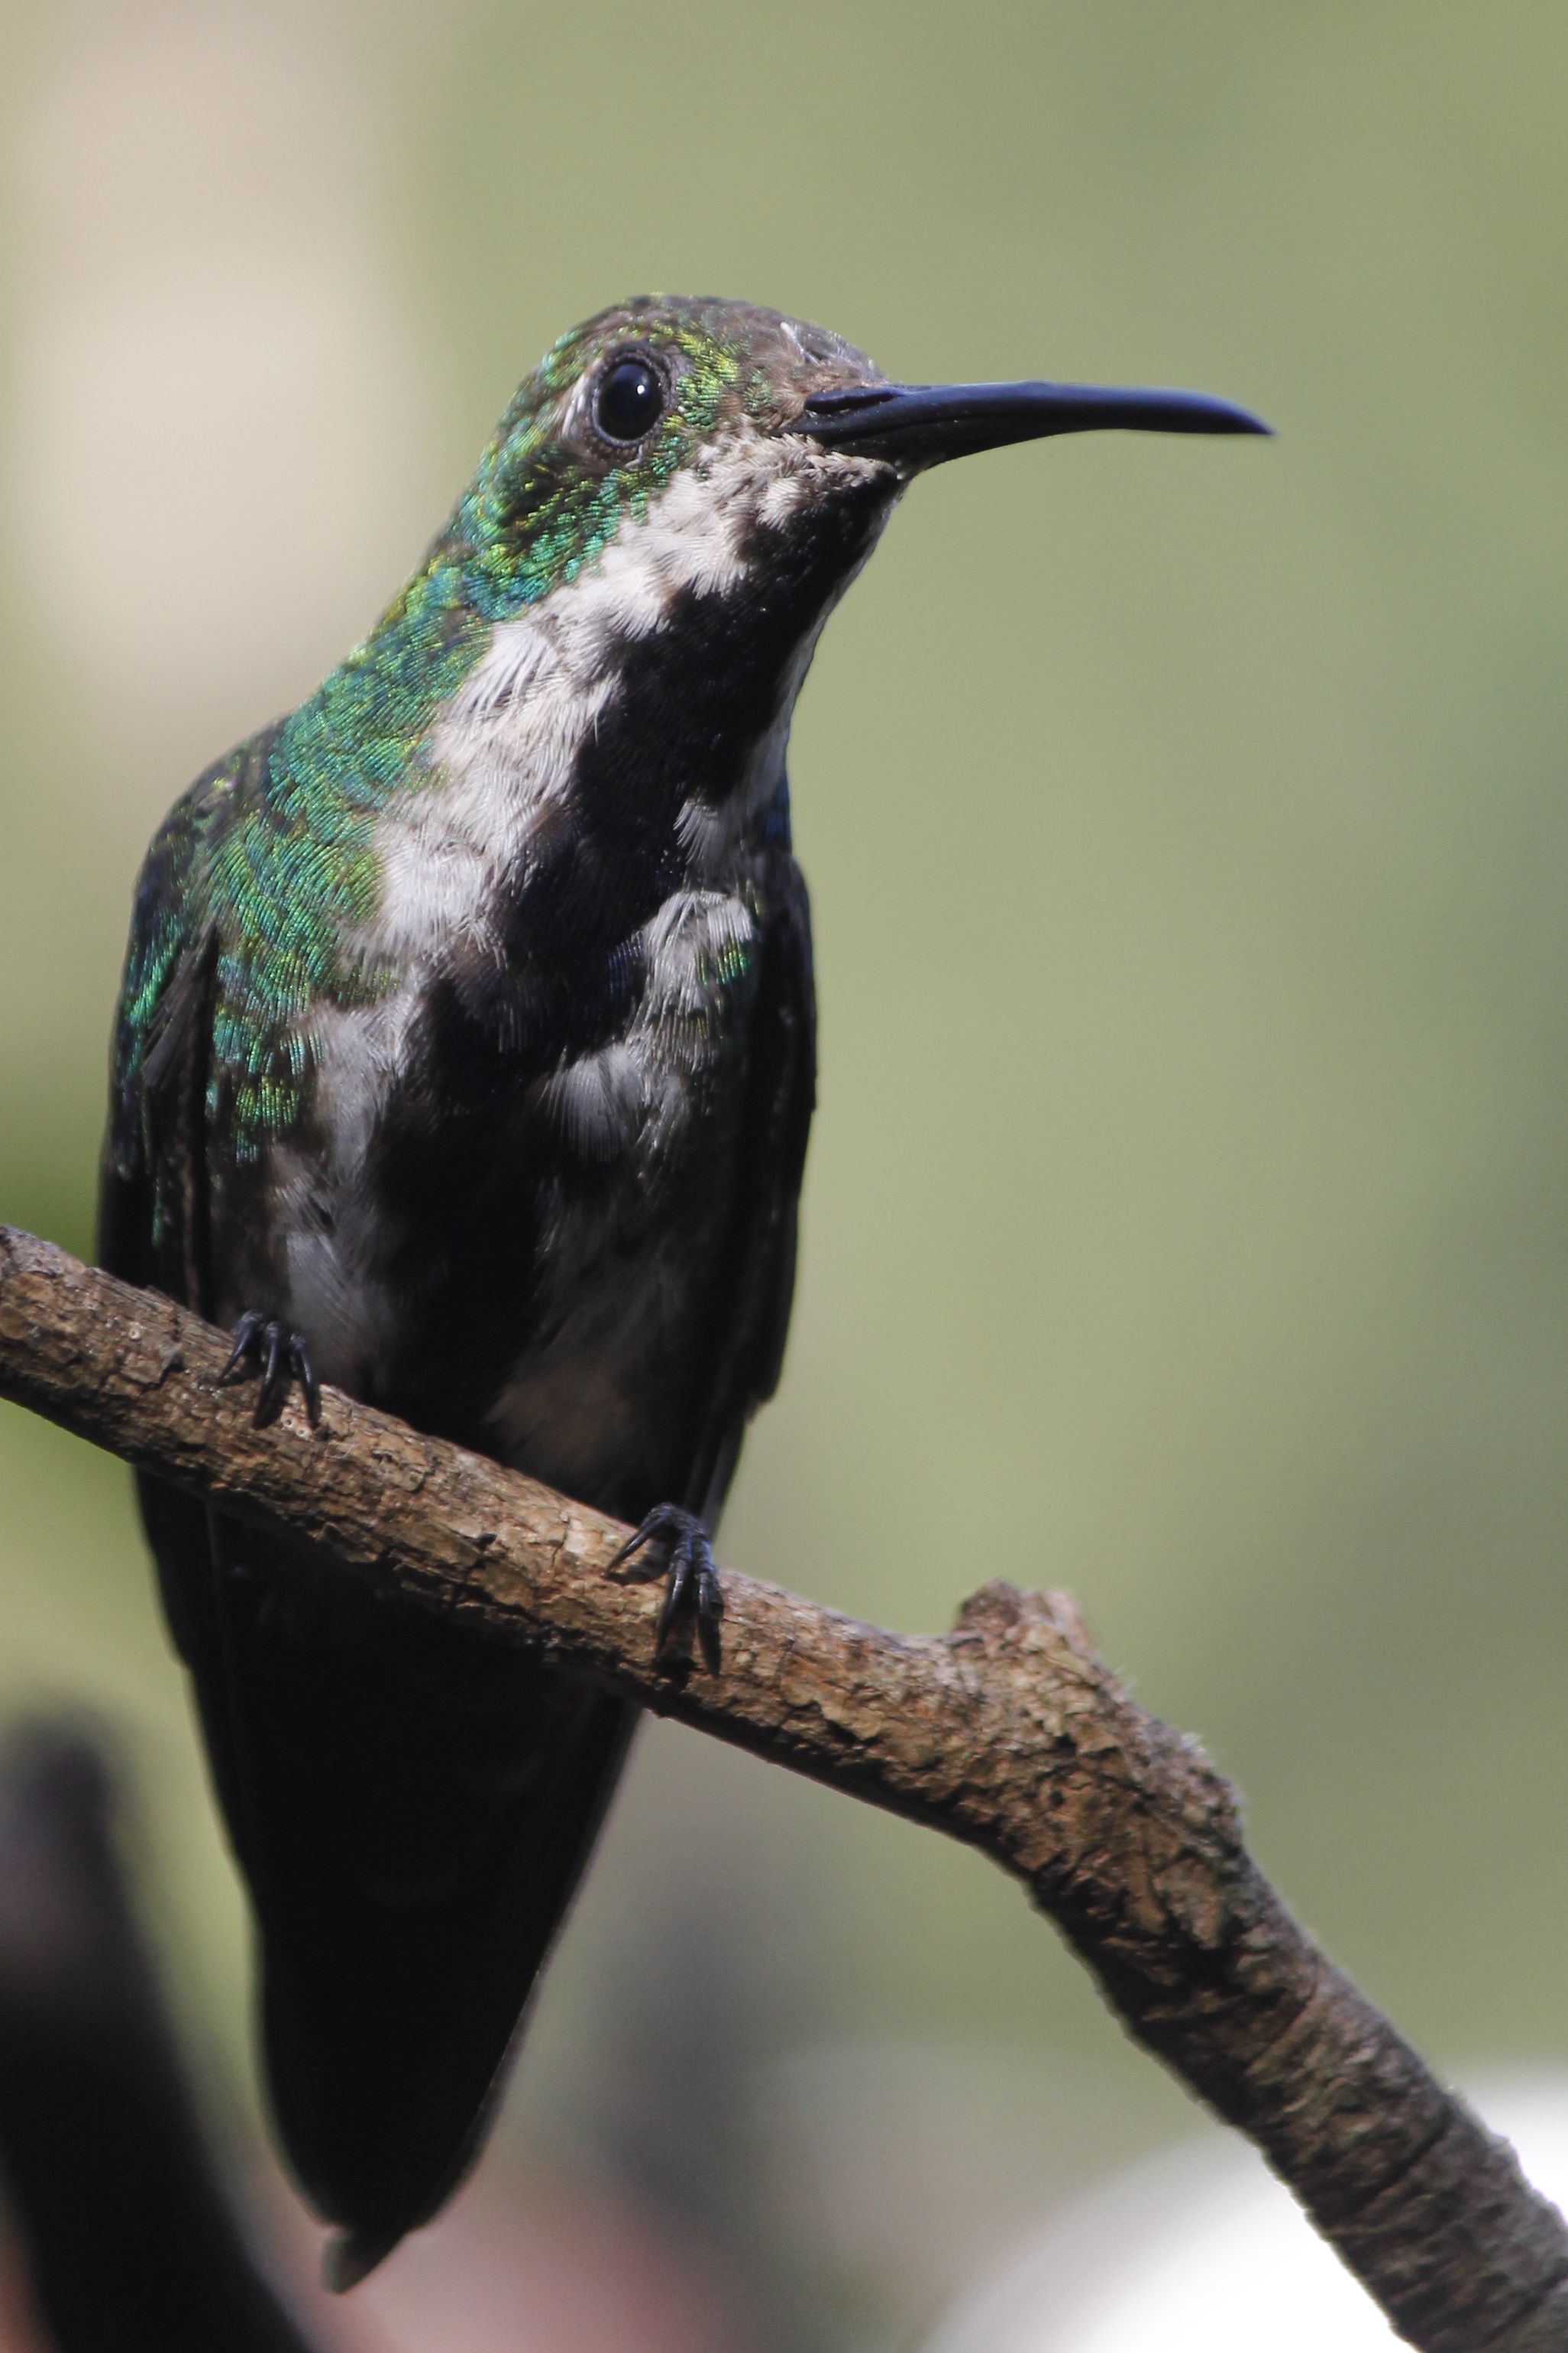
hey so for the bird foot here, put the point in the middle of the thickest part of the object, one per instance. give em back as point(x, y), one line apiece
point(261, 1344)
point(678, 1551)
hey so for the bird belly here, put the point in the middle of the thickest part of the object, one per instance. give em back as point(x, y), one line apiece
point(533, 1274)
point(597, 1401)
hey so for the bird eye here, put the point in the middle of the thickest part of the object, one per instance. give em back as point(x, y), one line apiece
point(630, 400)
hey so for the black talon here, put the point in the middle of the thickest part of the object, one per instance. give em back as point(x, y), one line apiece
point(682, 1555)
point(274, 1376)
point(303, 1368)
point(245, 1335)
point(260, 1345)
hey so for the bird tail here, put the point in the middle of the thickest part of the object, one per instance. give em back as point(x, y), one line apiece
point(413, 1809)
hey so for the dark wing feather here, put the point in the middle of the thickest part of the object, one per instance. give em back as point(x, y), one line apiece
point(756, 1283)
point(151, 1184)
point(152, 1201)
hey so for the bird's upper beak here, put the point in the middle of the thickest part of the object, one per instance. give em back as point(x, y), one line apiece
point(918, 424)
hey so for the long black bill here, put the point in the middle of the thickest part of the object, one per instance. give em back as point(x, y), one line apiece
point(924, 424)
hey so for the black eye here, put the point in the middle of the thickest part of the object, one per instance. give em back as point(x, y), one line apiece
point(630, 401)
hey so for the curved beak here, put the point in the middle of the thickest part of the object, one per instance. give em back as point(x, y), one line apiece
point(925, 424)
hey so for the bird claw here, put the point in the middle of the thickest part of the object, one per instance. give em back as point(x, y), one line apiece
point(680, 1553)
point(260, 1343)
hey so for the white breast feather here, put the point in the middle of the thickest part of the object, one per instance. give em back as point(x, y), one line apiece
point(497, 766)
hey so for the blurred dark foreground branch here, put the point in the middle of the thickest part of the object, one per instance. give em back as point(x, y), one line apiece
point(131, 2246)
point(1008, 1734)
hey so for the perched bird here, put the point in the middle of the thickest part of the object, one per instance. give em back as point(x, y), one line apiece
point(465, 1060)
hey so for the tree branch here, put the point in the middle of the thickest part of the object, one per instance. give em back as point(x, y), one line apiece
point(129, 2241)
point(1008, 1734)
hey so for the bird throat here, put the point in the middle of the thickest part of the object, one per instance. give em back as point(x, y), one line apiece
point(642, 708)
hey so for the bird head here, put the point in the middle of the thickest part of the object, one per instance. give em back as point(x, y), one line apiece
point(751, 446)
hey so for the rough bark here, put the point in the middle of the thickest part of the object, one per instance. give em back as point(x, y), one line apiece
point(1008, 1734)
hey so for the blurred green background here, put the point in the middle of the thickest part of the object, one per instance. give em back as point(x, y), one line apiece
point(1187, 1215)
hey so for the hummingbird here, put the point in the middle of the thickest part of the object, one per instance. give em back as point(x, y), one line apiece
point(465, 1060)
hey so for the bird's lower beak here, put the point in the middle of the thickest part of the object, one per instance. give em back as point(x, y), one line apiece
point(918, 424)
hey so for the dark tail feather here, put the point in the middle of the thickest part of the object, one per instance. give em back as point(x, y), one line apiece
point(413, 1809)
